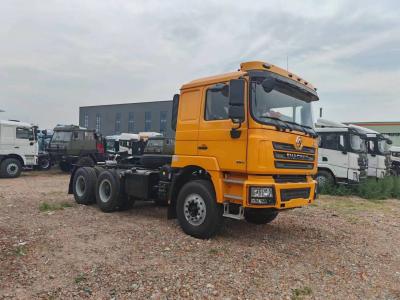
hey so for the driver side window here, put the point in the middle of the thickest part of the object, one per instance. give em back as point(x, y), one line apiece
point(217, 106)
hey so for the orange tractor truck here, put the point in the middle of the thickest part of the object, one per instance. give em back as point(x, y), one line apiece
point(245, 148)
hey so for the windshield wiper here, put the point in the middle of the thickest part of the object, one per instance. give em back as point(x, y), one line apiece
point(279, 124)
point(289, 125)
point(304, 128)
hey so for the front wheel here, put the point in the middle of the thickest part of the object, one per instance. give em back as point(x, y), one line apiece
point(10, 168)
point(198, 213)
point(325, 179)
point(260, 216)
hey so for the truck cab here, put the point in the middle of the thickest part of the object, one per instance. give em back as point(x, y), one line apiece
point(245, 148)
point(72, 144)
point(395, 159)
point(126, 141)
point(378, 152)
point(342, 154)
point(18, 148)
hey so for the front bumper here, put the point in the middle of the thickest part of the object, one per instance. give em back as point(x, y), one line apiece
point(286, 195)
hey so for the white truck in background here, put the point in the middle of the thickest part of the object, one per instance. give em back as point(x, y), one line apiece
point(378, 145)
point(395, 159)
point(18, 148)
point(342, 154)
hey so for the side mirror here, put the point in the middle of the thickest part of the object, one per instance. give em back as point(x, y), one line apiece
point(268, 84)
point(236, 100)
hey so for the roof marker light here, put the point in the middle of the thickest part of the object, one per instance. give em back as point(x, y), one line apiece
point(267, 66)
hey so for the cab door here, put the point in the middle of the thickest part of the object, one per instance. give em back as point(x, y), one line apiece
point(333, 153)
point(215, 127)
point(25, 143)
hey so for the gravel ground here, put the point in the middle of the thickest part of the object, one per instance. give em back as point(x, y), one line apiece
point(52, 248)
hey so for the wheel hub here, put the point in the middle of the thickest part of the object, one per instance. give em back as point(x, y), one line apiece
point(105, 190)
point(195, 209)
point(80, 186)
point(12, 169)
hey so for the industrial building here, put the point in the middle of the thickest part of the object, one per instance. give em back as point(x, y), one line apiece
point(391, 129)
point(128, 117)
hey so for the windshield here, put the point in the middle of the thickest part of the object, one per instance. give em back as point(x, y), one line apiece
point(62, 136)
point(279, 105)
point(357, 143)
point(383, 146)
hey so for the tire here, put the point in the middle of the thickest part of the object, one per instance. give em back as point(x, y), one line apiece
point(86, 161)
point(198, 213)
point(84, 185)
point(65, 167)
point(325, 179)
point(108, 192)
point(260, 216)
point(45, 163)
point(10, 168)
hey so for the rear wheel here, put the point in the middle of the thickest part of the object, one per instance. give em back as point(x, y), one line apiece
point(198, 213)
point(260, 216)
point(325, 179)
point(10, 168)
point(84, 185)
point(108, 192)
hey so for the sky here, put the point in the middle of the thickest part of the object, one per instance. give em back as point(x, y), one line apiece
point(58, 55)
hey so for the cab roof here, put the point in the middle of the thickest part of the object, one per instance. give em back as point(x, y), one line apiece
point(244, 68)
point(15, 123)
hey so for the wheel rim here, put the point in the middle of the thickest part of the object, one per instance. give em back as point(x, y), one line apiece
point(194, 209)
point(105, 190)
point(322, 180)
point(12, 169)
point(45, 164)
point(80, 186)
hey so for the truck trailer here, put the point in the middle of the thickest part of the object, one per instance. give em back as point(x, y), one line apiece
point(245, 148)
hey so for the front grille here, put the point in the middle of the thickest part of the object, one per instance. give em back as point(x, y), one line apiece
point(290, 147)
point(287, 195)
point(293, 156)
point(293, 165)
point(290, 178)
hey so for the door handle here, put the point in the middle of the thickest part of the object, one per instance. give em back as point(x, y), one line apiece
point(16, 147)
point(202, 147)
point(324, 158)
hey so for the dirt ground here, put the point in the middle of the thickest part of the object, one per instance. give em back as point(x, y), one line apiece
point(52, 248)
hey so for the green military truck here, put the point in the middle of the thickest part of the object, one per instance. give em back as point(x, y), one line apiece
point(72, 144)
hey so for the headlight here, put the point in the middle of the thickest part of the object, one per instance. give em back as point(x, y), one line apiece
point(262, 195)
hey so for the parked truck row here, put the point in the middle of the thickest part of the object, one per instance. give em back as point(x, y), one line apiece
point(348, 154)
